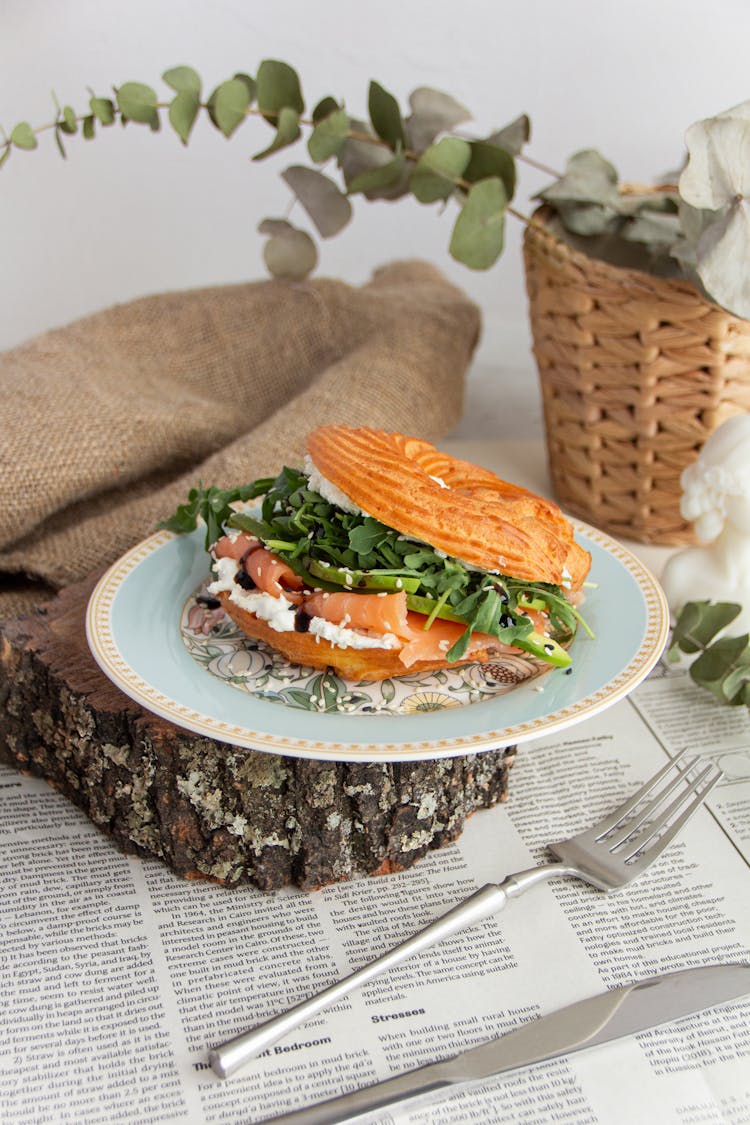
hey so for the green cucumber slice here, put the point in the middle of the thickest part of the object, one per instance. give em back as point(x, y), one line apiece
point(545, 648)
point(362, 580)
point(427, 605)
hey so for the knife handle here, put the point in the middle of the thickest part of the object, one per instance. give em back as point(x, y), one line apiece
point(230, 1056)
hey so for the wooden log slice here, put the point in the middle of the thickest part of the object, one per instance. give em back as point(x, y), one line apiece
point(209, 809)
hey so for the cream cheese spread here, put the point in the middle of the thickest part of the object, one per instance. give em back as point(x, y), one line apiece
point(342, 637)
point(329, 491)
point(280, 614)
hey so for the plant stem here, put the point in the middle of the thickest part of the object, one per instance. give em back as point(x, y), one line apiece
point(538, 164)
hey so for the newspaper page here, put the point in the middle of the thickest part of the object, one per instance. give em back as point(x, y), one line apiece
point(116, 976)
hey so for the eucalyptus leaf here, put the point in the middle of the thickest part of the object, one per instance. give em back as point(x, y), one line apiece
point(721, 259)
point(183, 78)
point(432, 112)
point(718, 167)
point(22, 136)
point(588, 219)
point(137, 102)
point(699, 622)
point(60, 145)
point(659, 202)
point(290, 254)
point(487, 160)
point(514, 136)
point(588, 178)
point(328, 136)
point(693, 222)
point(714, 667)
point(88, 127)
point(287, 132)
point(379, 178)
point(358, 154)
point(735, 686)
point(386, 116)
point(479, 232)
point(323, 200)
point(275, 226)
point(278, 87)
point(716, 179)
point(325, 107)
point(69, 123)
point(435, 174)
point(229, 105)
point(103, 110)
point(183, 110)
point(5, 154)
point(652, 228)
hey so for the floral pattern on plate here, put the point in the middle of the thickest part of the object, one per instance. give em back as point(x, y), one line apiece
point(218, 645)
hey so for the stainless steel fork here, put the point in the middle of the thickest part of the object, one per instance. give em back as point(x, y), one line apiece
point(607, 856)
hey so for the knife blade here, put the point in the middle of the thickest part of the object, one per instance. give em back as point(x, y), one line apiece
point(600, 1019)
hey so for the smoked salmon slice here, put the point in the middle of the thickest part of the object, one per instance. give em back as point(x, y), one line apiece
point(377, 613)
point(433, 643)
point(267, 571)
point(387, 613)
point(228, 548)
point(273, 576)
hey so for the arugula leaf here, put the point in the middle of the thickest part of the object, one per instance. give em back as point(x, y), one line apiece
point(367, 536)
point(212, 505)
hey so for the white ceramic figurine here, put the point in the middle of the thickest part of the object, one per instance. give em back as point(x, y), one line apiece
point(716, 497)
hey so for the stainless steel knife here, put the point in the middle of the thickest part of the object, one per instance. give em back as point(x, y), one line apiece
point(622, 1011)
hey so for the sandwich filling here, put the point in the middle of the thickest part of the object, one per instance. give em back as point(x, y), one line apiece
point(310, 560)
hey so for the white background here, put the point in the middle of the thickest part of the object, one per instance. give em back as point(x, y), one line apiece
point(133, 212)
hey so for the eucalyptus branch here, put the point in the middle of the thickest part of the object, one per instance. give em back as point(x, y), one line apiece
point(386, 156)
point(699, 229)
point(524, 156)
point(722, 662)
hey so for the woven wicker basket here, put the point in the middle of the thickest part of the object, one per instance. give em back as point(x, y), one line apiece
point(636, 372)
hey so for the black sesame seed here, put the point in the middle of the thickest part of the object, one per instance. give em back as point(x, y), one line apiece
point(207, 601)
point(302, 621)
point(243, 579)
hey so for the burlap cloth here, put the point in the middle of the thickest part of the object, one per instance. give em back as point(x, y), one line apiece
point(108, 422)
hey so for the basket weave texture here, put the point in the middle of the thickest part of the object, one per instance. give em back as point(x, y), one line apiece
point(636, 372)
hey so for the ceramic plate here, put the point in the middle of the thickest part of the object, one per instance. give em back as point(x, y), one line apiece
point(215, 684)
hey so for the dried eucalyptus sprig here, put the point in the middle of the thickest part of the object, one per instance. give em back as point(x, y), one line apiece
point(698, 228)
point(723, 666)
point(386, 157)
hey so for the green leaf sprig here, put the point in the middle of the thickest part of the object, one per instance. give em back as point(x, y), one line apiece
point(389, 155)
point(698, 229)
point(213, 506)
point(723, 666)
point(307, 531)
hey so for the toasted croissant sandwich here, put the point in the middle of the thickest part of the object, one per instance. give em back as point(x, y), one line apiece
point(385, 556)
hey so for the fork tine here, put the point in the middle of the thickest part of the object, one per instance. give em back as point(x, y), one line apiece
point(665, 840)
point(634, 799)
point(644, 815)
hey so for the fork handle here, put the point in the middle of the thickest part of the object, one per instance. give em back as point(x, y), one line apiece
point(230, 1056)
point(233, 1054)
